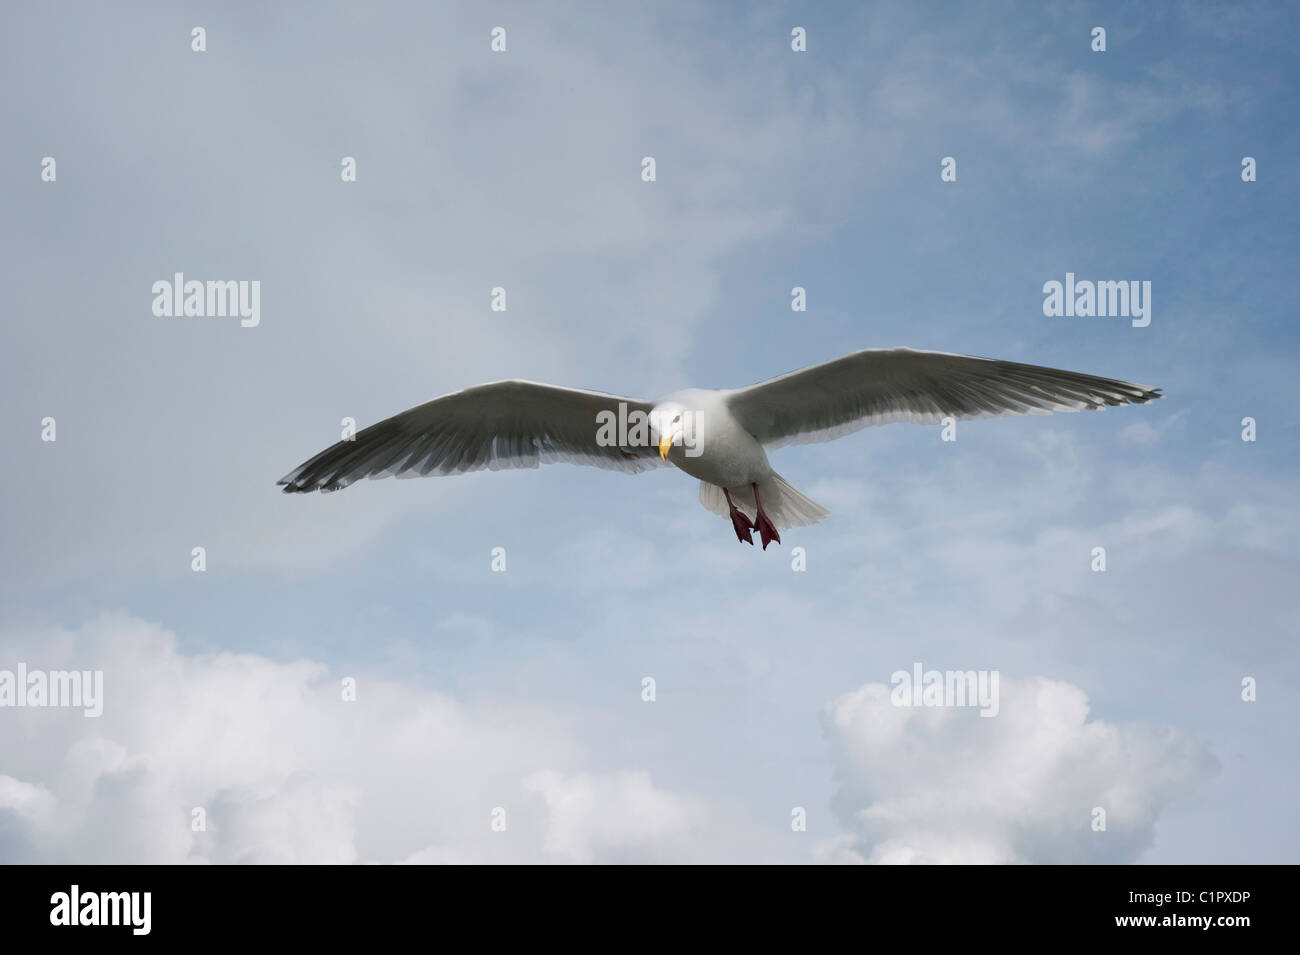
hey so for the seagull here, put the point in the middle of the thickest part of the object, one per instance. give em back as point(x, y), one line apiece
point(720, 437)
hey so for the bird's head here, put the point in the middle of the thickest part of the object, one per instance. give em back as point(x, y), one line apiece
point(668, 423)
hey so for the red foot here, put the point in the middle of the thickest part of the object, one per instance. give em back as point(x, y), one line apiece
point(766, 529)
point(743, 527)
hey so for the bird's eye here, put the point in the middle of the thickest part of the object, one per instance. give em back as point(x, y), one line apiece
point(677, 418)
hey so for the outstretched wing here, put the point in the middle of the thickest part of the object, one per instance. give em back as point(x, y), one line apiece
point(505, 424)
point(881, 385)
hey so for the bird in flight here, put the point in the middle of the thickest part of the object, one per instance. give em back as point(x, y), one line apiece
point(720, 437)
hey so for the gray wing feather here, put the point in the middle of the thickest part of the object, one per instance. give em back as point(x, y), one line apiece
point(505, 424)
point(877, 386)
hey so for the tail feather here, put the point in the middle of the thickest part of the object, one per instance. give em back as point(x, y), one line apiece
point(783, 504)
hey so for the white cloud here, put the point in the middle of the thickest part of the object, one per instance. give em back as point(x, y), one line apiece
point(286, 771)
point(1146, 431)
point(594, 816)
point(23, 799)
point(944, 785)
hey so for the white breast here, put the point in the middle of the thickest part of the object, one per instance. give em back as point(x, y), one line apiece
point(725, 453)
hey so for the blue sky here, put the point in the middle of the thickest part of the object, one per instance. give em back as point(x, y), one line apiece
point(521, 169)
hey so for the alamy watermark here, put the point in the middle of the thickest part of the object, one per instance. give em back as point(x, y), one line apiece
point(61, 688)
point(921, 687)
point(676, 427)
point(129, 909)
point(177, 298)
point(1086, 299)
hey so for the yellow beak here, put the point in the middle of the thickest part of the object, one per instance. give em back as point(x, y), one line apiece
point(665, 442)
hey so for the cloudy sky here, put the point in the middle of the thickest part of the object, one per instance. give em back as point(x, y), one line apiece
point(522, 691)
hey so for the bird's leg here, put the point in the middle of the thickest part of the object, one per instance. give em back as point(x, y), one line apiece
point(766, 529)
point(739, 521)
